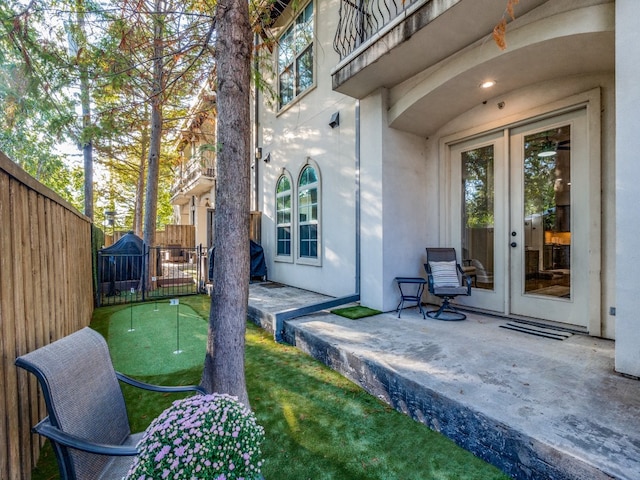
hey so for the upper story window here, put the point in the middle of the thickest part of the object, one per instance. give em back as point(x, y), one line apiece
point(308, 224)
point(283, 216)
point(295, 57)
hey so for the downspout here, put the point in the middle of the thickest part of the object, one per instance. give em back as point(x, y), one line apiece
point(280, 317)
point(357, 199)
point(256, 123)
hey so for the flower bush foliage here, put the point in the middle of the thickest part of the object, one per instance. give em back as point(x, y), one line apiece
point(211, 437)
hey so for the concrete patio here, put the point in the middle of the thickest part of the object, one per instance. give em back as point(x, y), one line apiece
point(538, 408)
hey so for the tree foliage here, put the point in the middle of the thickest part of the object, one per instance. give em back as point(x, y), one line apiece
point(500, 30)
point(53, 53)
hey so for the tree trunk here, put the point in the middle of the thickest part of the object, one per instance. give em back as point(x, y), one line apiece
point(157, 100)
point(86, 141)
point(138, 210)
point(224, 361)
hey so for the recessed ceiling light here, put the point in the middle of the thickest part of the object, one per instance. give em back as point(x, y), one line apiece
point(547, 153)
point(487, 84)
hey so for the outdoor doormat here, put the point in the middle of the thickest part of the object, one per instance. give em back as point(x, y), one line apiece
point(355, 312)
point(537, 330)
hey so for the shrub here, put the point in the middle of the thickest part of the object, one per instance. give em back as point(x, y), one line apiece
point(211, 437)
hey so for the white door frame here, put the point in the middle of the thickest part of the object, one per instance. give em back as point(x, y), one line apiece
point(448, 226)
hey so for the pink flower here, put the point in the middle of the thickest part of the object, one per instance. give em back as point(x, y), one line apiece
point(162, 453)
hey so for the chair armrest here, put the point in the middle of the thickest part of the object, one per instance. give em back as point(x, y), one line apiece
point(465, 279)
point(159, 388)
point(430, 283)
point(47, 430)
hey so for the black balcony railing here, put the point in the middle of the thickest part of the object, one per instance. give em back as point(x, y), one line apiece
point(361, 19)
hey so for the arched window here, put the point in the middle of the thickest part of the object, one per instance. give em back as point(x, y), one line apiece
point(283, 216)
point(308, 214)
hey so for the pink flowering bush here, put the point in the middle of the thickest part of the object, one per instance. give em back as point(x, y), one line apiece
point(211, 437)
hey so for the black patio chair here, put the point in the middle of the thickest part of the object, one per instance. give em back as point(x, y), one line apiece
point(445, 279)
point(87, 420)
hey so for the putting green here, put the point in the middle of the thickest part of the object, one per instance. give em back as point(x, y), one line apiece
point(150, 348)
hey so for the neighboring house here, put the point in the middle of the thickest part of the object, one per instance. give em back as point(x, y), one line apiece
point(386, 138)
point(193, 191)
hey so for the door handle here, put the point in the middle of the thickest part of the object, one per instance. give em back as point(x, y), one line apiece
point(514, 244)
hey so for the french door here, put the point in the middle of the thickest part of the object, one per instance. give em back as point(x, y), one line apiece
point(520, 218)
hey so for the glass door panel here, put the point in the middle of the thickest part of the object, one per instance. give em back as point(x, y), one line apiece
point(547, 213)
point(549, 219)
point(478, 215)
point(519, 217)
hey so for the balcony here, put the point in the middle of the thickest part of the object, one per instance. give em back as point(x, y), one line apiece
point(197, 177)
point(382, 43)
point(360, 20)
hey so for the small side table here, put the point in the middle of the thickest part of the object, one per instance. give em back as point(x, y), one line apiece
point(415, 288)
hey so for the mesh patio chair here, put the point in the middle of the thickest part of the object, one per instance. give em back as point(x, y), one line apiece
point(87, 420)
point(445, 279)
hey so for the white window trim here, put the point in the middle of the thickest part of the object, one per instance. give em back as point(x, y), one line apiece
point(307, 260)
point(293, 222)
point(296, 98)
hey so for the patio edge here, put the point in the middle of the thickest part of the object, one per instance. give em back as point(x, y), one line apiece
point(518, 455)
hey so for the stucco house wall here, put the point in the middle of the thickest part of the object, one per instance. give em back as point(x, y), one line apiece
point(288, 138)
point(400, 139)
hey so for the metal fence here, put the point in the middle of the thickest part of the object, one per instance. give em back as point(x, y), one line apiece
point(173, 271)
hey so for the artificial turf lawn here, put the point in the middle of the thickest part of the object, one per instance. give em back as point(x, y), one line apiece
point(159, 331)
point(355, 312)
point(318, 424)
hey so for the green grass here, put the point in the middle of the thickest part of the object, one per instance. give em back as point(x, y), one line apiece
point(318, 424)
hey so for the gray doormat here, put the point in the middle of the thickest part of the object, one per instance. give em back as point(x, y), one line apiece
point(540, 331)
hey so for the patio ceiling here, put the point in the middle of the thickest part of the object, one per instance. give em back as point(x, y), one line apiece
point(439, 98)
point(430, 86)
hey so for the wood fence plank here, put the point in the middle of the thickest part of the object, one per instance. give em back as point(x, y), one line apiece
point(23, 302)
point(45, 329)
point(10, 332)
point(6, 323)
point(48, 242)
point(34, 318)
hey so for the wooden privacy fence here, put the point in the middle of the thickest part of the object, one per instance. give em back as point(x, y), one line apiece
point(177, 235)
point(45, 294)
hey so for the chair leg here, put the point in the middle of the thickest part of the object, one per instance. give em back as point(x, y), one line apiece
point(449, 311)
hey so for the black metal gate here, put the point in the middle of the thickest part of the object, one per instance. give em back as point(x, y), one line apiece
point(173, 271)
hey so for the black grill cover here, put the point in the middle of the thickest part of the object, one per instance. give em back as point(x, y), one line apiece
point(258, 267)
point(122, 260)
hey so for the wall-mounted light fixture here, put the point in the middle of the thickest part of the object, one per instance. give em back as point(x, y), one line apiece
point(258, 153)
point(335, 120)
point(267, 159)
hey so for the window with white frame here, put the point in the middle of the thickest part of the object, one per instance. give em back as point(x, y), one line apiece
point(308, 213)
point(295, 57)
point(283, 216)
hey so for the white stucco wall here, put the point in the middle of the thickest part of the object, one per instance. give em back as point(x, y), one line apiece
point(627, 175)
point(394, 191)
point(401, 191)
point(301, 131)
